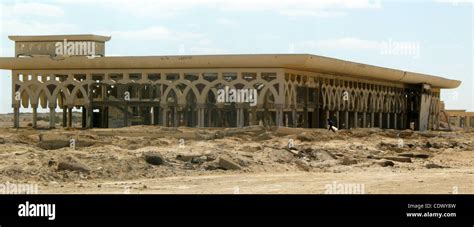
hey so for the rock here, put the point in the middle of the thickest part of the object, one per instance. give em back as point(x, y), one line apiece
point(324, 155)
point(210, 157)
point(421, 155)
point(415, 155)
point(433, 166)
point(385, 163)
point(51, 162)
point(202, 135)
point(154, 158)
point(398, 159)
point(228, 164)
point(303, 165)
point(2, 140)
point(187, 157)
point(211, 166)
point(254, 129)
point(282, 155)
point(58, 144)
point(53, 144)
point(251, 148)
point(348, 161)
point(293, 150)
point(199, 160)
point(263, 136)
point(305, 136)
point(73, 166)
point(219, 135)
point(409, 155)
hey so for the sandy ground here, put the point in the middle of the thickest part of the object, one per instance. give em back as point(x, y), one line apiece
point(151, 159)
point(375, 182)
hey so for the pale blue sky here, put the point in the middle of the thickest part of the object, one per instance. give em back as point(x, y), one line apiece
point(351, 30)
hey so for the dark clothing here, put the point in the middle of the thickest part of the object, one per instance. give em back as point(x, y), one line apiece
point(331, 124)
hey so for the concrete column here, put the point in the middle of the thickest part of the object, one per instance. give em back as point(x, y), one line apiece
point(402, 121)
point(52, 117)
point(203, 111)
point(277, 117)
point(282, 118)
point(326, 120)
point(395, 125)
point(372, 119)
point(253, 114)
point(337, 120)
point(242, 117)
point(380, 120)
point(201, 117)
point(294, 119)
point(164, 111)
point(152, 112)
point(16, 117)
point(356, 120)
point(364, 120)
point(237, 116)
point(305, 118)
point(346, 119)
point(89, 118)
point(176, 117)
point(388, 120)
point(35, 118)
point(316, 118)
point(64, 116)
point(84, 117)
point(69, 117)
point(125, 116)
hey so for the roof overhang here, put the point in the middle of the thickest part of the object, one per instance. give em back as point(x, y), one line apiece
point(305, 62)
point(47, 38)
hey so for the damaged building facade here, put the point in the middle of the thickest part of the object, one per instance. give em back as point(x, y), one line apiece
point(293, 90)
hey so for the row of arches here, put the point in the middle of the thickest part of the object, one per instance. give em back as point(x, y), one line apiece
point(112, 99)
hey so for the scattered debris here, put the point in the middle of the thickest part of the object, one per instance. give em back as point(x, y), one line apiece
point(154, 158)
point(228, 164)
point(263, 136)
point(303, 165)
point(414, 155)
point(398, 159)
point(73, 166)
point(385, 163)
point(348, 161)
point(433, 166)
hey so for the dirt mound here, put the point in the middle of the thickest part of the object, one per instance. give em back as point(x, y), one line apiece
point(151, 152)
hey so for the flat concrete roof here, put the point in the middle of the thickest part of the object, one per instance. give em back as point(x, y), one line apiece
point(45, 38)
point(304, 62)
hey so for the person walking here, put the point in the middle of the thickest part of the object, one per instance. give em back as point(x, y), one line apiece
point(331, 125)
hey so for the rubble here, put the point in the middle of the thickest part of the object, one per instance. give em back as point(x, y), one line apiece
point(228, 164)
point(73, 166)
point(385, 163)
point(133, 152)
point(348, 161)
point(154, 158)
point(397, 159)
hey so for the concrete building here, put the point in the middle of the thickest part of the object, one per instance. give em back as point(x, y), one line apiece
point(295, 90)
point(460, 118)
